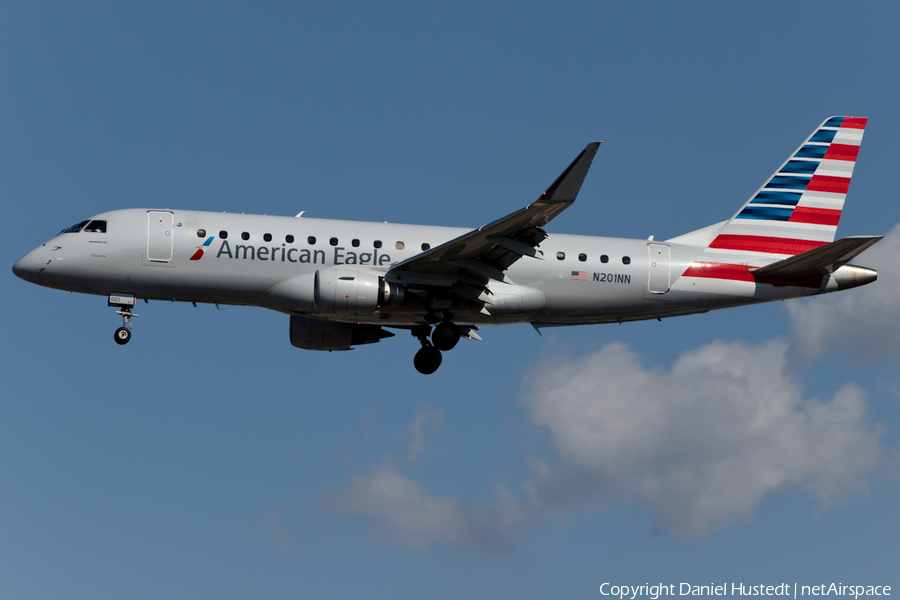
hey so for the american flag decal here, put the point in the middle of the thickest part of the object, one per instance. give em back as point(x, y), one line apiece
point(579, 275)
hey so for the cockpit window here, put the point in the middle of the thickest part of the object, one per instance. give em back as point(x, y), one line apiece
point(74, 228)
point(96, 227)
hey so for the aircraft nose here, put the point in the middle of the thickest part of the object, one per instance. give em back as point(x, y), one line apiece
point(28, 267)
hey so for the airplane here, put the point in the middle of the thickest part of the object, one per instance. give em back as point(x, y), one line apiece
point(344, 282)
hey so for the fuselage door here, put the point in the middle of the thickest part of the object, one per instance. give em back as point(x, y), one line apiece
point(159, 236)
point(658, 281)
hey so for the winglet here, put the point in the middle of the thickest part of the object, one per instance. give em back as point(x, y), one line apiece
point(567, 185)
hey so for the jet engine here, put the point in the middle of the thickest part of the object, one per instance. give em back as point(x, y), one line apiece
point(313, 334)
point(349, 292)
point(335, 291)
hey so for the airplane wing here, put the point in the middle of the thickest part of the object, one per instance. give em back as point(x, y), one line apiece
point(824, 259)
point(467, 263)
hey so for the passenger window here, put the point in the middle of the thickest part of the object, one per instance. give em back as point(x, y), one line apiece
point(333, 241)
point(201, 233)
point(223, 235)
point(74, 228)
point(560, 255)
point(245, 236)
point(96, 227)
point(626, 260)
point(377, 243)
point(267, 237)
point(425, 247)
point(399, 245)
point(582, 257)
point(311, 240)
point(289, 239)
point(604, 258)
point(355, 243)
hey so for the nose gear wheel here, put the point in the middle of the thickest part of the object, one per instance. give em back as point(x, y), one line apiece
point(123, 333)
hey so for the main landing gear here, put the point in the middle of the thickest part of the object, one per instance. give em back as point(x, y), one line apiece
point(445, 337)
point(124, 302)
point(123, 333)
point(428, 358)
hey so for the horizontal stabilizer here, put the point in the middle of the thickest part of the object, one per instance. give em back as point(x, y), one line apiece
point(824, 259)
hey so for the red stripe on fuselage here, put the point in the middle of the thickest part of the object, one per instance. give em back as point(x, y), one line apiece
point(769, 245)
point(711, 270)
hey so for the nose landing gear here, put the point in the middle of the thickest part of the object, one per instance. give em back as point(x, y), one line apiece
point(123, 302)
point(123, 333)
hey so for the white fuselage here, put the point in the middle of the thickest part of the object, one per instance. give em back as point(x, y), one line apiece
point(153, 254)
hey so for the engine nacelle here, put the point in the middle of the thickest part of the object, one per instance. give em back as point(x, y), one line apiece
point(344, 291)
point(336, 291)
point(313, 334)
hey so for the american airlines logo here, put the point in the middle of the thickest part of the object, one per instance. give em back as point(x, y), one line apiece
point(199, 253)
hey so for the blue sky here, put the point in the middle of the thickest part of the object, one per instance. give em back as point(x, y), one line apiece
point(210, 459)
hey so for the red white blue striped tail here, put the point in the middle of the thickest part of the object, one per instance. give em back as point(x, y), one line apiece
point(796, 210)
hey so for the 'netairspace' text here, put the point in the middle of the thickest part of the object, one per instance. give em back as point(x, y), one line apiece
point(740, 589)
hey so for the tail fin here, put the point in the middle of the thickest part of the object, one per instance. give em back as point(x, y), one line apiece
point(799, 207)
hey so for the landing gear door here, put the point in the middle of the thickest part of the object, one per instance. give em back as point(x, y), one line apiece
point(658, 281)
point(159, 236)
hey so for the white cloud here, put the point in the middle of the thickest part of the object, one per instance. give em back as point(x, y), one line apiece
point(401, 511)
point(863, 322)
point(425, 415)
point(697, 447)
point(700, 445)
